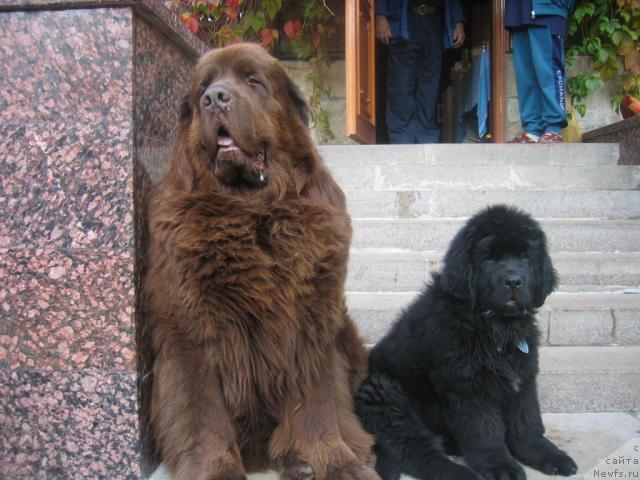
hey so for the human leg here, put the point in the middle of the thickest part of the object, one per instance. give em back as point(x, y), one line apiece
point(548, 62)
point(428, 82)
point(529, 99)
point(401, 78)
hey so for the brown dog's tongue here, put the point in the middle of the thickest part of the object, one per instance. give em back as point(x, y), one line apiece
point(225, 141)
point(260, 164)
point(260, 160)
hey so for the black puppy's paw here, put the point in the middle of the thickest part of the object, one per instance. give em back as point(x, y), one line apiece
point(445, 469)
point(556, 463)
point(507, 469)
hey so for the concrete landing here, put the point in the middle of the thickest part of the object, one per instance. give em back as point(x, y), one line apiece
point(588, 437)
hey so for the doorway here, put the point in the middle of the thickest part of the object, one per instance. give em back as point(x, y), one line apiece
point(480, 60)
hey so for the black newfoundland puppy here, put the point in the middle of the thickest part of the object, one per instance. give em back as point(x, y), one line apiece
point(457, 372)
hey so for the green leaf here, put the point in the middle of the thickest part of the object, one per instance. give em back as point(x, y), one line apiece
point(603, 55)
point(604, 25)
point(617, 37)
point(593, 45)
point(593, 84)
point(632, 34)
point(258, 22)
point(578, 14)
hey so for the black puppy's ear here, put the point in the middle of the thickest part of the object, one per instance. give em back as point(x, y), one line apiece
point(297, 99)
point(458, 276)
point(185, 108)
point(548, 280)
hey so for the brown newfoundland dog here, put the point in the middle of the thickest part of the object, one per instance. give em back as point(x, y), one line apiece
point(256, 360)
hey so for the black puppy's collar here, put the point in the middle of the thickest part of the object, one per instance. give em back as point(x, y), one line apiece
point(490, 313)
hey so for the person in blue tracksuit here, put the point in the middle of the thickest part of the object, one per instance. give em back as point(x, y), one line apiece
point(416, 32)
point(538, 28)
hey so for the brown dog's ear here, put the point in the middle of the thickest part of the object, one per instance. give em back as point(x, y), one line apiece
point(297, 99)
point(180, 165)
point(181, 169)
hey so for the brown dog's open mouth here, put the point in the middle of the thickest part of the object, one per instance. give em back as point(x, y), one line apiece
point(232, 164)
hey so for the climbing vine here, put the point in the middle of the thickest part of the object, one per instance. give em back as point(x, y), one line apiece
point(301, 27)
point(607, 31)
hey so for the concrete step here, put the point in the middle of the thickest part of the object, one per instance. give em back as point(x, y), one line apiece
point(434, 234)
point(364, 157)
point(589, 379)
point(436, 203)
point(566, 319)
point(403, 175)
point(400, 270)
point(589, 438)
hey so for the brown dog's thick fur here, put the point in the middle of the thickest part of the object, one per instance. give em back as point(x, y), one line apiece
point(256, 360)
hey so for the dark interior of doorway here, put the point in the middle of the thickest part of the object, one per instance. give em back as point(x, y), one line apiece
point(478, 31)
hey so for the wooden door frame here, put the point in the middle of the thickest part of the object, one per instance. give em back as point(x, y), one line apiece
point(360, 127)
point(498, 64)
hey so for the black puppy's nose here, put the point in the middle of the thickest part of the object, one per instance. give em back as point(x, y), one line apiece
point(513, 280)
point(216, 96)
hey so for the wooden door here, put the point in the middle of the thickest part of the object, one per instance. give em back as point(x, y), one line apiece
point(361, 70)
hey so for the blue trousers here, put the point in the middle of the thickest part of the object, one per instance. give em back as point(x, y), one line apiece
point(413, 79)
point(538, 60)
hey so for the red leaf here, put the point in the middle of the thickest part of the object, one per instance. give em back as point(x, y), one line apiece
point(194, 24)
point(190, 20)
point(266, 36)
point(293, 29)
point(231, 12)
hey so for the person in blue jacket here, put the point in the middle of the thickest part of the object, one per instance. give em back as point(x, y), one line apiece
point(416, 32)
point(538, 28)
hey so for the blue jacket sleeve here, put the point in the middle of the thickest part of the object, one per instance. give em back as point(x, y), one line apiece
point(452, 16)
point(457, 16)
point(381, 7)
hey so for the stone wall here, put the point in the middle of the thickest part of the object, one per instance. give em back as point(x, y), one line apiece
point(87, 94)
point(336, 103)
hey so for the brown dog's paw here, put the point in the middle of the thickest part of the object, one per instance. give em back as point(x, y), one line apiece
point(228, 476)
point(227, 469)
point(296, 469)
point(353, 471)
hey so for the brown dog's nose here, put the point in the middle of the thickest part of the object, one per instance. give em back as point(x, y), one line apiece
point(216, 97)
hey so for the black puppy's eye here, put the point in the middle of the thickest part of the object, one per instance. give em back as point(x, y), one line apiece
point(524, 256)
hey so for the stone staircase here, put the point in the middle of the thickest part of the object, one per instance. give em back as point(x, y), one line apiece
point(408, 201)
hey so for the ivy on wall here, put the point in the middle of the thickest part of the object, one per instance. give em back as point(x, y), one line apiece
point(298, 26)
point(607, 31)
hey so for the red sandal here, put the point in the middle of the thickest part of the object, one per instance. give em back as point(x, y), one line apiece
point(550, 137)
point(524, 138)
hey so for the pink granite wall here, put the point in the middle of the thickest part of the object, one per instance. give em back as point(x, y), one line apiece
point(86, 97)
